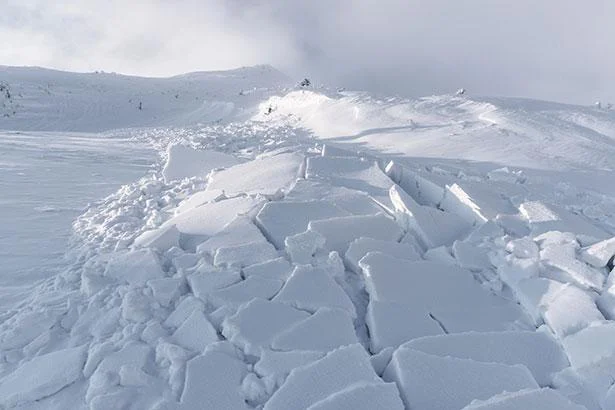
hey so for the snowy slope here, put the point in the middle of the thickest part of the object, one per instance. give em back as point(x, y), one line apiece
point(336, 251)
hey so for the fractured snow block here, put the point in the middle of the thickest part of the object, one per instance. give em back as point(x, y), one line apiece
point(186, 162)
point(590, 345)
point(420, 286)
point(475, 202)
point(471, 256)
point(325, 330)
point(538, 351)
point(339, 232)
point(196, 332)
point(165, 290)
point(199, 198)
point(524, 248)
point(514, 270)
point(446, 383)
point(354, 173)
point(310, 288)
point(373, 396)
point(183, 310)
point(202, 284)
point(302, 247)
point(599, 254)
point(362, 246)
point(278, 268)
point(42, 376)
point(213, 381)
point(432, 226)
point(162, 238)
point(256, 324)
point(425, 190)
point(239, 231)
point(606, 303)
point(547, 217)
point(338, 370)
point(135, 267)
point(276, 365)
point(535, 294)
point(570, 310)
point(245, 254)
point(562, 258)
point(333, 151)
point(135, 354)
point(281, 219)
point(543, 399)
point(440, 254)
point(244, 291)
point(266, 175)
point(392, 324)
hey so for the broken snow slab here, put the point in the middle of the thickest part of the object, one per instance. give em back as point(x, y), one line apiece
point(213, 381)
point(535, 294)
point(278, 268)
point(203, 283)
point(338, 370)
point(599, 254)
point(135, 267)
point(301, 248)
point(161, 239)
point(354, 173)
point(239, 231)
point(425, 189)
point(196, 332)
point(392, 324)
point(325, 330)
point(183, 310)
point(281, 219)
point(543, 399)
point(258, 322)
point(570, 311)
point(478, 202)
point(545, 217)
point(446, 383)
point(275, 366)
point(339, 232)
point(420, 286)
point(267, 176)
point(329, 150)
point(245, 254)
point(199, 198)
point(471, 256)
point(562, 257)
point(432, 226)
point(362, 246)
point(309, 288)
point(186, 162)
point(591, 345)
point(538, 351)
point(244, 291)
point(42, 376)
point(373, 396)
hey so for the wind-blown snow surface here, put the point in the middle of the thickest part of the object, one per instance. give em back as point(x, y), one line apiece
point(442, 253)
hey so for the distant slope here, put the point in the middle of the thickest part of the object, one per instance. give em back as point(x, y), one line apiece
point(50, 100)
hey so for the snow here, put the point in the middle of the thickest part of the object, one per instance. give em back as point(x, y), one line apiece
point(186, 162)
point(244, 291)
point(599, 254)
point(375, 396)
point(475, 202)
point(278, 268)
point(202, 284)
point(590, 345)
point(135, 267)
point(431, 382)
point(245, 254)
point(362, 246)
point(562, 258)
point(239, 231)
point(161, 239)
point(544, 399)
point(195, 333)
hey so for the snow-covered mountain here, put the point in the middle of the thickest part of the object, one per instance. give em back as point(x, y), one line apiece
point(301, 248)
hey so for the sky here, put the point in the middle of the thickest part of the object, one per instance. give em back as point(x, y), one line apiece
point(561, 50)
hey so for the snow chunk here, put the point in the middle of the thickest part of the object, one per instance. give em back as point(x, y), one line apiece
point(279, 269)
point(442, 383)
point(239, 231)
point(590, 345)
point(275, 365)
point(257, 323)
point(543, 399)
point(373, 396)
point(161, 239)
point(333, 151)
point(524, 248)
point(571, 310)
point(166, 290)
point(245, 254)
point(183, 310)
point(266, 175)
point(281, 219)
point(560, 257)
point(199, 198)
point(42, 376)
point(325, 330)
point(134, 267)
point(202, 284)
point(471, 256)
point(476, 202)
point(514, 270)
point(185, 162)
point(310, 288)
point(340, 231)
point(214, 379)
point(538, 351)
point(432, 226)
point(362, 246)
point(196, 332)
point(340, 369)
point(440, 254)
point(244, 291)
point(425, 191)
point(599, 254)
point(535, 294)
point(302, 247)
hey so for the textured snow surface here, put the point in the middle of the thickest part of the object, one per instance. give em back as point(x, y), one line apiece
point(416, 260)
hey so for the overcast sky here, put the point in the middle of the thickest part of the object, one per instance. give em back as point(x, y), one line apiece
point(561, 50)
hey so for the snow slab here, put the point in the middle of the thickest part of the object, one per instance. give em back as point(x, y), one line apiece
point(213, 381)
point(392, 324)
point(196, 332)
point(329, 150)
point(42, 376)
point(432, 226)
point(599, 254)
point(165, 290)
point(186, 162)
point(543, 399)
point(338, 370)
point(571, 310)
point(446, 383)
point(513, 270)
point(339, 232)
point(199, 198)
point(579, 272)
point(372, 396)
point(538, 351)
point(161, 239)
point(134, 267)
point(424, 189)
point(281, 219)
point(471, 256)
point(202, 284)
point(258, 322)
point(302, 247)
point(354, 173)
point(420, 286)
point(362, 246)
point(591, 345)
point(183, 310)
point(276, 365)
point(476, 202)
point(267, 175)
point(535, 294)
point(278, 268)
point(325, 330)
point(244, 291)
point(245, 254)
point(239, 231)
point(309, 288)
